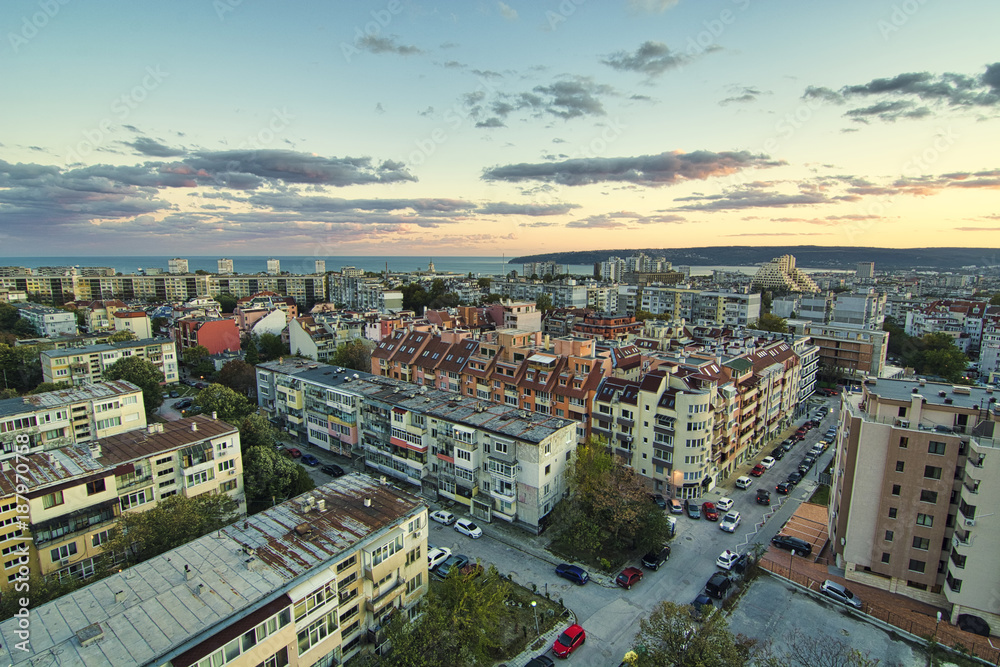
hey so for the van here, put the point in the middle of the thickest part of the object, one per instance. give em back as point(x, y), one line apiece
point(743, 482)
point(718, 585)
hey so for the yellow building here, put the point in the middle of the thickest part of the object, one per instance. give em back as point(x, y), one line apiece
point(77, 365)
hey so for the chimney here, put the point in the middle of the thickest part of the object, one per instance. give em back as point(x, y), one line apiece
point(120, 596)
point(215, 415)
point(321, 505)
point(194, 426)
point(368, 502)
point(151, 429)
point(188, 573)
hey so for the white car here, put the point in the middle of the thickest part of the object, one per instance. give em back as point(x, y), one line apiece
point(744, 482)
point(768, 462)
point(724, 504)
point(447, 518)
point(466, 527)
point(730, 521)
point(437, 556)
point(726, 559)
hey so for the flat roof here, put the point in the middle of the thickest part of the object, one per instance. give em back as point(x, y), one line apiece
point(54, 399)
point(235, 571)
point(902, 390)
point(104, 347)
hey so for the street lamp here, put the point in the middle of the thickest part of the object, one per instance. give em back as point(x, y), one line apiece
point(534, 608)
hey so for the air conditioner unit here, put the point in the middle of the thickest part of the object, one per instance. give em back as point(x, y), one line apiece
point(64, 562)
point(232, 472)
point(970, 522)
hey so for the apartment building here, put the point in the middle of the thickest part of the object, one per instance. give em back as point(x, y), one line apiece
point(97, 315)
point(79, 365)
point(963, 320)
point(250, 310)
point(782, 273)
point(225, 267)
point(48, 322)
point(216, 334)
point(701, 307)
point(312, 581)
point(317, 336)
point(864, 310)
point(74, 416)
point(273, 267)
point(855, 352)
point(607, 327)
point(351, 289)
point(913, 493)
point(75, 493)
point(499, 461)
point(137, 322)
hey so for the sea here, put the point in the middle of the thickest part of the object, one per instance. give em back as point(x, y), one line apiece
point(477, 266)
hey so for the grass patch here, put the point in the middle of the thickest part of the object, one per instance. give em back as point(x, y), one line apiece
point(821, 496)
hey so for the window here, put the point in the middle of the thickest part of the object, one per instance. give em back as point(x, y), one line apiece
point(932, 472)
point(225, 487)
point(935, 447)
point(52, 500)
point(921, 543)
point(548, 469)
point(896, 489)
point(136, 499)
point(902, 411)
point(97, 486)
point(928, 496)
point(885, 557)
point(63, 552)
point(228, 464)
point(888, 536)
point(343, 565)
point(500, 447)
point(899, 466)
point(953, 583)
point(201, 477)
point(892, 512)
point(904, 443)
point(917, 565)
point(97, 539)
point(925, 520)
point(414, 583)
point(314, 601)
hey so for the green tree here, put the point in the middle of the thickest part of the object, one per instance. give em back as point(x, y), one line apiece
point(202, 272)
point(769, 322)
point(158, 324)
point(543, 302)
point(301, 482)
point(355, 354)
point(899, 341)
point(49, 386)
point(269, 478)
point(143, 374)
point(20, 367)
point(271, 347)
point(257, 431)
point(227, 302)
point(643, 315)
point(226, 403)
point(941, 357)
point(139, 536)
point(484, 283)
point(121, 336)
point(493, 298)
point(43, 589)
point(995, 300)
point(673, 637)
point(194, 354)
point(252, 357)
point(240, 377)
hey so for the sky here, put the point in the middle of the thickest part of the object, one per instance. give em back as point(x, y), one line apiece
point(328, 127)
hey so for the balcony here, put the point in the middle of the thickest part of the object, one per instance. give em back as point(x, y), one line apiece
point(625, 421)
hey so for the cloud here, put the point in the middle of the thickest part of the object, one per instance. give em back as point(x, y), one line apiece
point(566, 98)
point(506, 208)
point(293, 167)
point(742, 95)
point(751, 198)
point(916, 94)
point(977, 229)
point(622, 219)
point(651, 59)
point(387, 44)
point(650, 170)
point(651, 6)
point(507, 11)
point(154, 148)
point(493, 121)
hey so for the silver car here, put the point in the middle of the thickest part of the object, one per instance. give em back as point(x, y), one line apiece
point(840, 593)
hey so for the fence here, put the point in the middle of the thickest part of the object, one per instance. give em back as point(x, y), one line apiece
point(944, 633)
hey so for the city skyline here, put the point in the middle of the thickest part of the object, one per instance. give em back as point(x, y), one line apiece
point(396, 128)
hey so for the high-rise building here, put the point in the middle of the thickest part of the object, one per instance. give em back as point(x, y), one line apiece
point(781, 272)
point(274, 267)
point(320, 266)
point(177, 266)
point(866, 271)
point(226, 267)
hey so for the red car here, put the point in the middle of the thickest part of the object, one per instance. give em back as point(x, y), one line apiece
point(569, 641)
point(708, 509)
point(293, 452)
point(758, 470)
point(629, 576)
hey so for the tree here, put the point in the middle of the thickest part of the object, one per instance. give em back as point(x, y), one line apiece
point(643, 315)
point(271, 347)
point(202, 272)
point(269, 478)
point(484, 283)
point(240, 377)
point(20, 368)
point(803, 650)
point(194, 354)
point(121, 336)
point(769, 322)
point(227, 302)
point(301, 482)
point(252, 357)
point(493, 298)
point(355, 354)
point(143, 374)
point(158, 324)
point(257, 431)
point(673, 637)
point(995, 300)
point(941, 357)
point(543, 302)
point(226, 403)
point(49, 386)
point(43, 589)
point(139, 536)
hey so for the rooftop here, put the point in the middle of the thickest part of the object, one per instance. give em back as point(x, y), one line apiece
point(105, 347)
point(961, 396)
point(60, 397)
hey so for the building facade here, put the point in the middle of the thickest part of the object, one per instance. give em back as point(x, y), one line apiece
point(49, 322)
point(79, 365)
point(781, 273)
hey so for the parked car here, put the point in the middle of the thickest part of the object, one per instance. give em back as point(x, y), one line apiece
point(763, 497)
point(472, 569)
point(310, 460)
point(840, 593)
point(768, 462)
point(574, 573)
point(436, 556)
point(708, 509)
point(447, 518)
point(718, 585)
point(784, 488)
point(175, 394)
point(628, 577)
point(541, 661)
point(693, 509)
point(333, 470)
point(184, 403)
point(467, 527)
point(799, 546)
point(570, 640)
point(778, 453)
point(293, 452)
point(454, 561)
point(743, 482)
point(702, 607)
point(794, 478)
point(676, 506)
point(660, 501)
point(724, 504)
point(787, 445)
point(730, 522)
point(758, 470)
point(726, 559)
point(654, 559)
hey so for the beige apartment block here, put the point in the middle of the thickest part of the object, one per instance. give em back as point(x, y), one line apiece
point(78, 365)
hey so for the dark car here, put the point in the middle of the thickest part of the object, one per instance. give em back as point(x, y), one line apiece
point(628, 577)
point(703, 607)
point(575, 574)
point(799, 546)
point(660, 501)
point(794, 478)
point(184, 403)
point(763, 497)
point(310, 460)
point(654, 559)
point(541, 661)
point(456, 561)
point(718, 585)
point(784, 488)
point(778, 453)
point(333, 470)
point(693, 509)
point(175, 394)
point(200, 385)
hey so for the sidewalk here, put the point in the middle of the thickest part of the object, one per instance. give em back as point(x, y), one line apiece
point(548, 638)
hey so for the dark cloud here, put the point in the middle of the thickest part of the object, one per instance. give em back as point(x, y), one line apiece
point(570, 97)
point(889, 111)
point(387, 44)
point(294, 167)
point(742, 95)
point(651, 170)
point(295, 202)
point(154, 148)
point(492, 121)
point(505, 208)
point(749, 198)
point(651, 59)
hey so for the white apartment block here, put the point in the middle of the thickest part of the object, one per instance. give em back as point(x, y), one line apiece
point(781, 273)
point(273, 267)
point(225, 267)
point(48, 322)
point(177, 266)
point(81, 365)
point(864, 311)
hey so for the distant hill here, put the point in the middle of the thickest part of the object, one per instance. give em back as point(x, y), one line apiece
point(809, 256)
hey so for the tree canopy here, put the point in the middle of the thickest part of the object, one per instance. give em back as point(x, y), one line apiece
point(355, 354)
point(543, 302)
point(240, 377)
point(930, 354)
point(671, 636)
point(121, 336)
point(142, 373)
point(270, 477)
point(20, 369)
point(226, 403)
point(227, 302)
point(770, 322)
point(270, 346)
